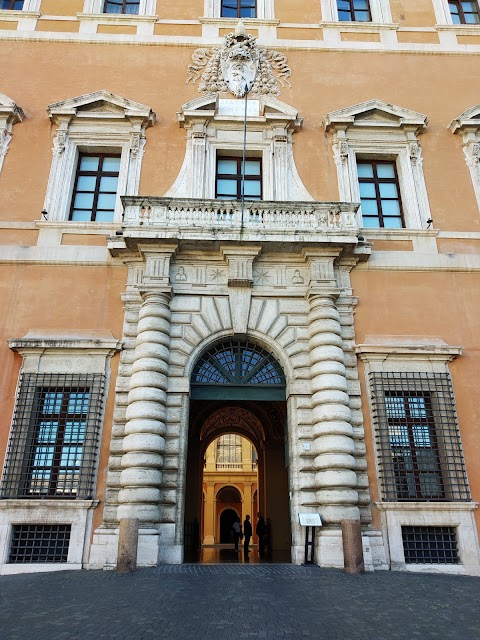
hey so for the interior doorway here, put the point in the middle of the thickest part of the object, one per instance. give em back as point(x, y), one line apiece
point(238, 406)
point(227, 518)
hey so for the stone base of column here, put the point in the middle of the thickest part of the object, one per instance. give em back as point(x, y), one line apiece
point(352, 546)
point(127, 545)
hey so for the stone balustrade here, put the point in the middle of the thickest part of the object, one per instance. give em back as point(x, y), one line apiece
point(263, 216)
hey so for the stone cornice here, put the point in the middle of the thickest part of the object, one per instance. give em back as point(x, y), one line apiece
point(410, 347)
point(426, 506)
point(39, 341)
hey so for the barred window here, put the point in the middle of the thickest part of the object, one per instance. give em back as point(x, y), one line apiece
point(418, 442)
point(32, 543)
point(430, 545)
point(53, 444)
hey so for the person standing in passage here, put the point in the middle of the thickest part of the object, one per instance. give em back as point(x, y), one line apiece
point(260, 531)
point(237, 532)
point(267, 537)
point(247, 532)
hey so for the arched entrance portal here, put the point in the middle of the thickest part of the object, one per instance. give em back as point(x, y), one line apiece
point(238, 388)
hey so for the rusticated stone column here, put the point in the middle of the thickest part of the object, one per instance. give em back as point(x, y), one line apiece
point(144, 443)
point(334, 462)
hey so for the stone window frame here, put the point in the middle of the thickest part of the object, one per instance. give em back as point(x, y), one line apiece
point(380, 11)
point(431, 355)
point(265, 10)
point(10, 114)
point(381, 131)
point(56, 352)
point(96, 122)
point(146, 8)
point(468, 126)
point(212, 127)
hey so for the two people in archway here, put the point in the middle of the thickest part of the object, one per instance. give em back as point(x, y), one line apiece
point(246, 534)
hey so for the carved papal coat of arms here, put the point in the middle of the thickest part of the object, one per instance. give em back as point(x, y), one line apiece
point(239, 66)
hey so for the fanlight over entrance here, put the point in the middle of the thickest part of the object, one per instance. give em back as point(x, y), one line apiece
point(237, 370)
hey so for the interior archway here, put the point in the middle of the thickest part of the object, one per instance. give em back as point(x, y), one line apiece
point(238, 389)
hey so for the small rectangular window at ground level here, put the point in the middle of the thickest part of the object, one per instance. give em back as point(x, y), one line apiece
point(122, 6)
point(430, 545)
point(354, 11)
point(380, 194)
point(234, 177)
point(464, 12)
point(239, 9)
point(35, 543)
point(16, 5)
point(95, 190)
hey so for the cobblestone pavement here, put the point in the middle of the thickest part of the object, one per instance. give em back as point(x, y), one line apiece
point(232, 602)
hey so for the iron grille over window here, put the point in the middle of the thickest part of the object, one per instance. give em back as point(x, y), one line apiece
point(354, 10)
point(238, 365)
point(121, 6)
point(239, 9)
point(95, 190)
point(418, 442)
point(53, 444)
point(12, 4)
point(430, 545)
point(33, 543)
point(464, 12)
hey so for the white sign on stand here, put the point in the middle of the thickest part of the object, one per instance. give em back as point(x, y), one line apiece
point(310, 519)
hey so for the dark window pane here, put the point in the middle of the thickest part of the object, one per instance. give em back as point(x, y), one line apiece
point(353, 10)
point(238, 9)
point(16, 5)
point(121, 6)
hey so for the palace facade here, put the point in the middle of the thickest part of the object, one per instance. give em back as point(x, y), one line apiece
point(239, 221)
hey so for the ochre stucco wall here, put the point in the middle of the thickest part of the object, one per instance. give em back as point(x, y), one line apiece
point(71, 300)
point(320, 83)
point(446, 305)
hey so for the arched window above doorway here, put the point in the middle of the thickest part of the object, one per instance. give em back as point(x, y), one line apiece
point(237, 370)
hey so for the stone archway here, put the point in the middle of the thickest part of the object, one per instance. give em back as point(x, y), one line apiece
point(239, 388)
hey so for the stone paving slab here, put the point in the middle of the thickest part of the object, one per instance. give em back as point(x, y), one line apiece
point(233, 602)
